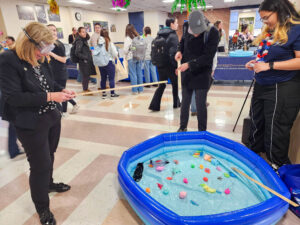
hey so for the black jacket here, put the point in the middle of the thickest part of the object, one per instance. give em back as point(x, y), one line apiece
point(172, 43)
point(200, 57)
point(59, 69)
point(71, 39)
point(22, 95)
point(83, 52)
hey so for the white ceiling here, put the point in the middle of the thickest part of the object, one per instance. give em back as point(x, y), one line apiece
point(146, 5)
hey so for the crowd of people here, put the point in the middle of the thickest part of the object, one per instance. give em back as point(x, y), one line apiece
point(33, 79)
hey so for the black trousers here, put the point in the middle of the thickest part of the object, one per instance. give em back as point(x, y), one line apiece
point(273, 111)
point(201, 97)
point(63, 83)
point(39, 145)
point(164, 74)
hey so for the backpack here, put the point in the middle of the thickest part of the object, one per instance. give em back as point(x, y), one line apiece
point(100, 55)
point(159, 52)
point(73, 56)
point(138, 48)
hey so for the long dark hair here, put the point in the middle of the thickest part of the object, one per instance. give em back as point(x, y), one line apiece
point(284, 9)
point(131, 31)
point(105, 35)
point(286, 15)
point(216, 24)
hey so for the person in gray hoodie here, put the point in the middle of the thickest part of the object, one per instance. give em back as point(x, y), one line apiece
point(149, 67)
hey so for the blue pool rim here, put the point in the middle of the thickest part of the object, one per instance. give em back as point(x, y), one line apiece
point(152, 212)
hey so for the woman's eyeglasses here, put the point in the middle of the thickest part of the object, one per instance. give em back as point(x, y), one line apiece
point(265, 19)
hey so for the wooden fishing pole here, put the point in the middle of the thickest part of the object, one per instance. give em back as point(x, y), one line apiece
point(267, 188)
point(120, 88)
point(179, 75)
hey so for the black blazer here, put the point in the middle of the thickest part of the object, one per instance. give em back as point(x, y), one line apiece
point(22, 95)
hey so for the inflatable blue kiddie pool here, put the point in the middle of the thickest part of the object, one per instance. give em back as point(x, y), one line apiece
point(187, 178)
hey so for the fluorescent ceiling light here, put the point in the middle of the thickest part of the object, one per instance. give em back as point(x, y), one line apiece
point(168, 1)
point(118, 9)
point(208, 6)
point(82, 2)
point(229, 0)
point(247, 10)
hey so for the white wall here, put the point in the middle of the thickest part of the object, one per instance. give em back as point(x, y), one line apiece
point(67, 15)
point(153, 19)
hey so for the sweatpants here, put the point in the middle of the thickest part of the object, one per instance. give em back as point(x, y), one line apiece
point(273, 111)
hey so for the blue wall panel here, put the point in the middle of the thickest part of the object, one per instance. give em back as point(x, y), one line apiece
point(137, 19)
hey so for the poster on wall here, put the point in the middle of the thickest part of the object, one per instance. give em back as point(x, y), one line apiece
point(53, 17)
point(40, 13)
point(25, 12)
point(88, 27)
point(113, 28)
point(60, 34)
point(104, 24)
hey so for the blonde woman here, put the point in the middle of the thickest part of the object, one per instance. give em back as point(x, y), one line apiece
point(276, 96)
point(30, 98)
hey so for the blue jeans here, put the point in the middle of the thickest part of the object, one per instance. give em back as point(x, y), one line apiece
point(108, 71)
point(193, 103)
point(136, 74)
point(149, 67)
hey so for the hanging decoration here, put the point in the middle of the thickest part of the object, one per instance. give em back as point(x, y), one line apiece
point(53, 7)
point(189, 4)
point(121, 3)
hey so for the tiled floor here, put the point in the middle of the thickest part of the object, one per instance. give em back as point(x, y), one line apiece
point(91, 144)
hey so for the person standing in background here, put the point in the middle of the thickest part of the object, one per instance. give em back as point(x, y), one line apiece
point(109, 70)
point(167, 71)
point(83, 52)
point(222, 47)
point(72, 36)
point(134, 66)
point(95, 36)
point(13, 148)
point(149, 67)
point(245, 37)
point(58, 67)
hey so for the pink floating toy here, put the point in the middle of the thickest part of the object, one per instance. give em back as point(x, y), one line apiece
point(182, 194)
point(159, 186)
point(160, 168)
point(218, 168)
point(185, 180)
point(227, 191)
point(207, 157)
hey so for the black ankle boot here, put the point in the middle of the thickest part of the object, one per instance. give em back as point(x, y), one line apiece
point(47, 218)
point(59, 187)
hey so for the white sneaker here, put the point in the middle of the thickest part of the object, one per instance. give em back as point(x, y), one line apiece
point(75, 109)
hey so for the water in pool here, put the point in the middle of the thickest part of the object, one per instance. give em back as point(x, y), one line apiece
point(195, 180)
